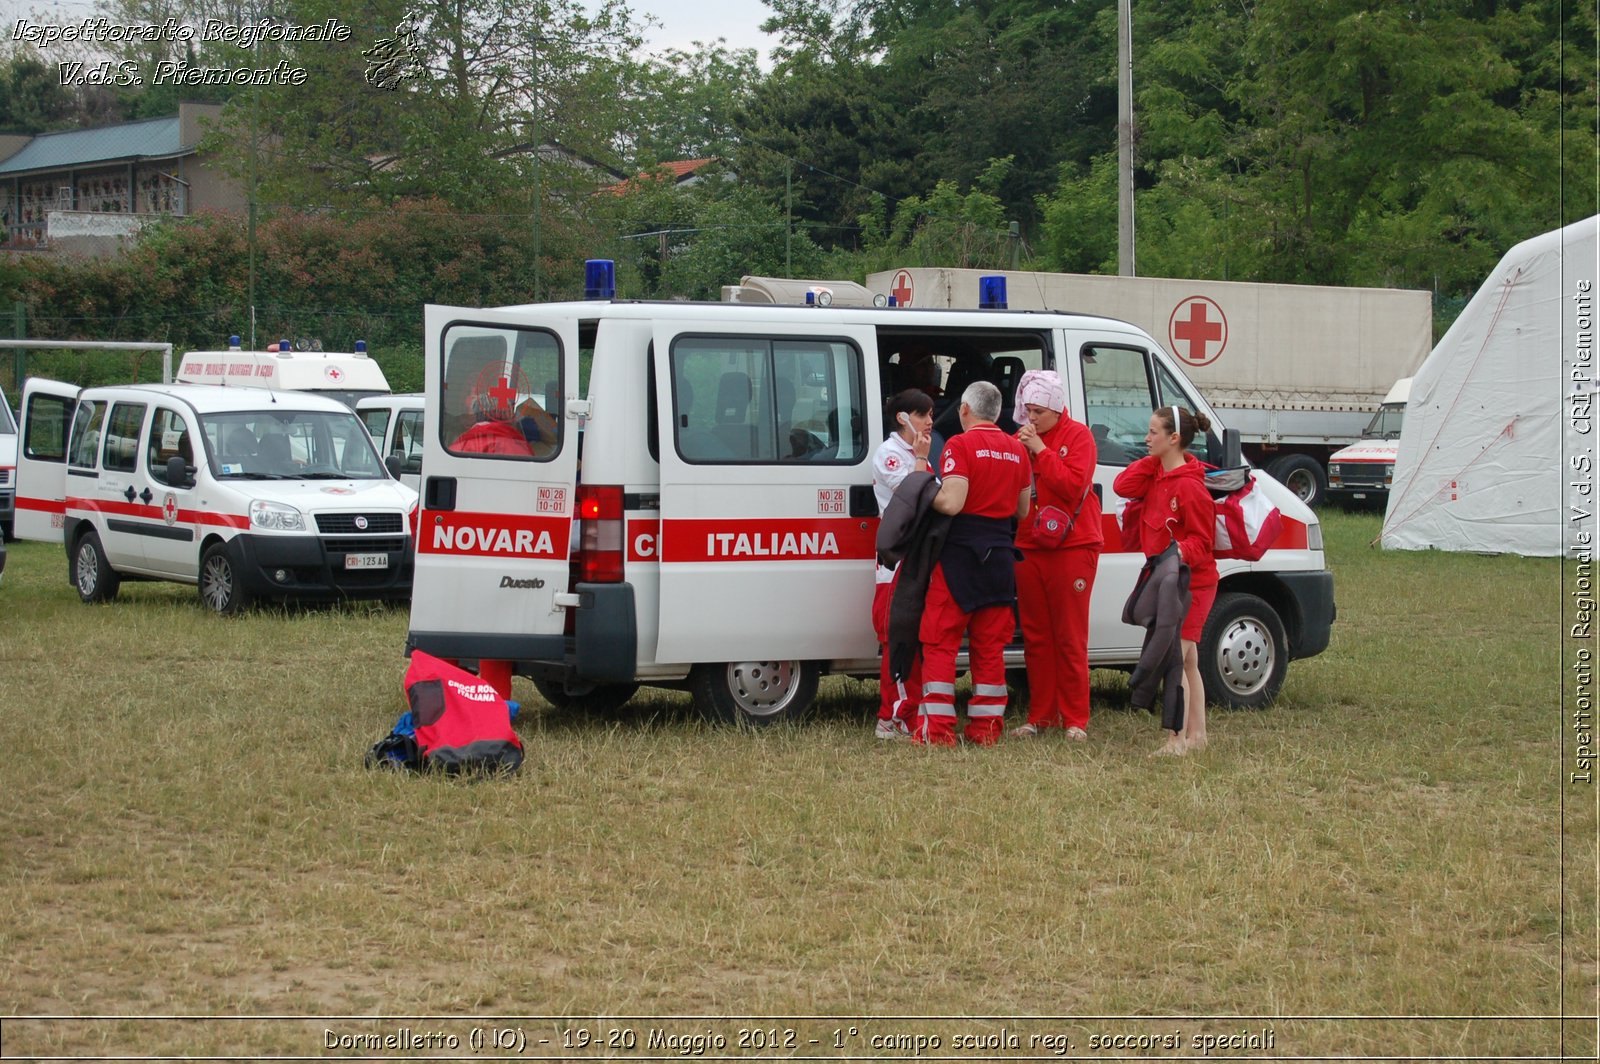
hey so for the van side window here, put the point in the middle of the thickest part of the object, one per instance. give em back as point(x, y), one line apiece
point(408, 439)
point(47, 428)
point(122, 437)
point(761, 400)
point(169, 438)
point(502, 394)
point(377, 422)
point(1119, 397)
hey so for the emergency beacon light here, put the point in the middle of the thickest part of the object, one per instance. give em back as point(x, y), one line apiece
point(599, 279)
point(992, 292)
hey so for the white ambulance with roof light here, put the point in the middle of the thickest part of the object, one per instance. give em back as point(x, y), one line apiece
point(246, 493)
point(343, 375)
point(721, 533)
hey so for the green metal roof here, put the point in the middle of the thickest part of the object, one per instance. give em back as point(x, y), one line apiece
point(153, 137)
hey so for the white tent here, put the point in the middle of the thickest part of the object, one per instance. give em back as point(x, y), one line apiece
point(1500, 405)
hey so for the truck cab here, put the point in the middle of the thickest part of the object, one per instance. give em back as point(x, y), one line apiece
point(1362, 473)
point(243, 492)
point(721, 534)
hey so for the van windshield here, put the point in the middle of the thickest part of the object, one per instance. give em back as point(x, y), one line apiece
point(1386, 423)
point(290, 445)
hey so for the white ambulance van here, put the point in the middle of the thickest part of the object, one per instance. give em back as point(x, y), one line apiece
point(705, 518)
point(8, 468)
point(343, 375)
point(395, 424)
point(247, 493)
point(1362, 473)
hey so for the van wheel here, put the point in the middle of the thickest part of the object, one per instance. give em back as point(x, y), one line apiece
point(756, 693)
point(91, 574)
point(604, 700)
point(1244, 653)
point(1302, 475)
point(220, 588)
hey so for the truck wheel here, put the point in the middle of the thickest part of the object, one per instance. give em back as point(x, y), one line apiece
point(1302, 475)
point(220, 587)
point(90, 573)
point(604, 700)
point(1244, 653)
point(755, 693)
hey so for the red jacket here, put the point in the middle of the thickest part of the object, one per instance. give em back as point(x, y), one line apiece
point(1061, 473)
point(1176, 506)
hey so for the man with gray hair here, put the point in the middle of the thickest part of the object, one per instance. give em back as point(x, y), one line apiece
point(986, 484)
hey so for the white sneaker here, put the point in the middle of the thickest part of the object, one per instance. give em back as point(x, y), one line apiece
point(892, 729)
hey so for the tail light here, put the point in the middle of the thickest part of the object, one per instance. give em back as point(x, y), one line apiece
point(598, 559)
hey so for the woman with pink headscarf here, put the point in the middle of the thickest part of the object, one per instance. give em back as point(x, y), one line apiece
point(1060, 541)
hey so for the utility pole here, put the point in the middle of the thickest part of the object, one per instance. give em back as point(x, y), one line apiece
point(538, 193)
point(1125, 264)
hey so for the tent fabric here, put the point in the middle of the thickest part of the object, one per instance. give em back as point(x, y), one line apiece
point(1481, 457)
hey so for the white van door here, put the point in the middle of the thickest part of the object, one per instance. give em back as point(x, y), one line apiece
point(767, 515)
point(172, 540)
point(47, 412)
point(500, 482)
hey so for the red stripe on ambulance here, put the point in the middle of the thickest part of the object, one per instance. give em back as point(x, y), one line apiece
point(494, 535)
point(777, 539)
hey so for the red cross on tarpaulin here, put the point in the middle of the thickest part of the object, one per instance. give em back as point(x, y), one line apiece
point(503, 394)
point(1196, 336)
point(901, 290)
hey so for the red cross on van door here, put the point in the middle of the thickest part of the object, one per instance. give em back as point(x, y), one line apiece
point(1197, 331)
point(901, 289)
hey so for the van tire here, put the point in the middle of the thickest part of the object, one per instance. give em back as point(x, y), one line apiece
point(220, 587)
point(1244, 653)
point(90, 573)
point(1302, 475)
point(604, 700)
point(754, 693)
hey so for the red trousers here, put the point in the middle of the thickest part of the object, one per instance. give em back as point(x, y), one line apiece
point(988, 630)
point(1053, 589)
point(889, 693)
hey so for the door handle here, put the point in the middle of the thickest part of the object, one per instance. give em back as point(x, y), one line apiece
point(146, 495)
point(129, 493)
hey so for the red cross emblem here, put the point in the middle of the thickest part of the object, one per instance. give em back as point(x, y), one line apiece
point(901, 289)
point(335, 374)
point(503, 394)
point(891, 463)
point(1198, 330)
point(169, 509)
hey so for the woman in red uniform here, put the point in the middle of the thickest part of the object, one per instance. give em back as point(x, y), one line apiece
point(1056, 575)
point(1177, 507)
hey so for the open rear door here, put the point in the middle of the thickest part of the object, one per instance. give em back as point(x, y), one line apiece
point(500, 472)
point(767, 515)
point(47, 409)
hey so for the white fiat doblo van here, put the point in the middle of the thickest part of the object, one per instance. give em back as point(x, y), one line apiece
point(721, 534)
point(247, 493)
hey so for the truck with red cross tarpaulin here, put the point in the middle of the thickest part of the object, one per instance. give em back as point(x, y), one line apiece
point(1298, 370)
point(618, 493)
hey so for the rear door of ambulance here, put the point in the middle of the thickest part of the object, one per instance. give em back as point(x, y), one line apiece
point(498, 486)
point(767, 515)
point(47, 411)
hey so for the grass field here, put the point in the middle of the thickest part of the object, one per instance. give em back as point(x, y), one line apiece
point(1387, 863)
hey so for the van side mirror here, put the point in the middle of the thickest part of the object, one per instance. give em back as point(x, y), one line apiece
point(1232, 449)
point(180, 474)
point(394, 464)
